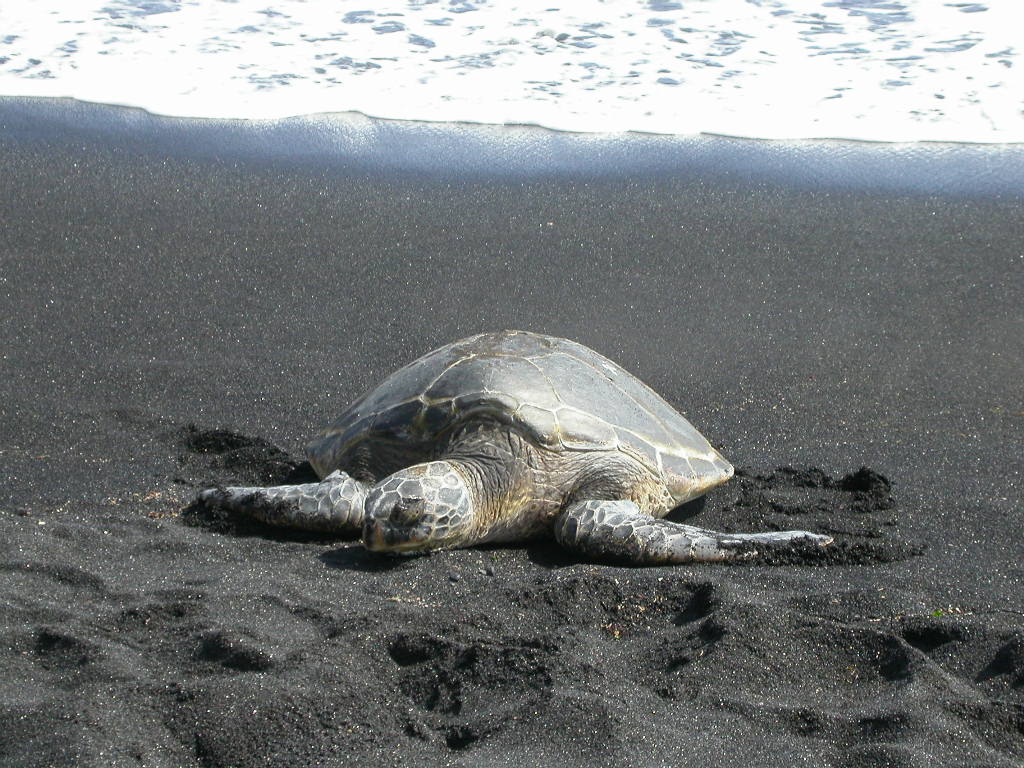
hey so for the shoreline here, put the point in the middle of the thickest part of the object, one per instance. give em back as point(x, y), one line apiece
point(465, 150)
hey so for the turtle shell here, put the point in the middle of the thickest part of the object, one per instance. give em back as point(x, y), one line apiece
point(559, 394)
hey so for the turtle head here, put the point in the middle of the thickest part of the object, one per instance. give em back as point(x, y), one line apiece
point(426, 506)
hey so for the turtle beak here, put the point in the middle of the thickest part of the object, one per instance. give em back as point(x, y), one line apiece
point(375, 540)
point(373, 537)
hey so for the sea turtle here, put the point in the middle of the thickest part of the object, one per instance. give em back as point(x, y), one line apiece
point(503, 437)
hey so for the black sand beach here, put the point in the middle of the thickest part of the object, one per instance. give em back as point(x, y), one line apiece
point(185, 304)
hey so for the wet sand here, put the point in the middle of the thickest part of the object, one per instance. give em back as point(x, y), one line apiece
point(179, 312)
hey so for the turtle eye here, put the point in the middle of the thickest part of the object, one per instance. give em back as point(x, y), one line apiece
point(405, 514)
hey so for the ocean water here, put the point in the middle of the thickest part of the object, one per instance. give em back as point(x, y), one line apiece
point(881, 70)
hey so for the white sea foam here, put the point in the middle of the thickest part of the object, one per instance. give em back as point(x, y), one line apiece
point(890, 70)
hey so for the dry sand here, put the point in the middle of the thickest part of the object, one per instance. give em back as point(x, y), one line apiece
point(177, 314)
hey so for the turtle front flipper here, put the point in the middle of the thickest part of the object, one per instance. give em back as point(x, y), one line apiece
point(618, 530)
point(333, 505)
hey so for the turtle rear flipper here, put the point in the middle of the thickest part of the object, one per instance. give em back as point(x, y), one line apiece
point(334, 505)
point(618, 530)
